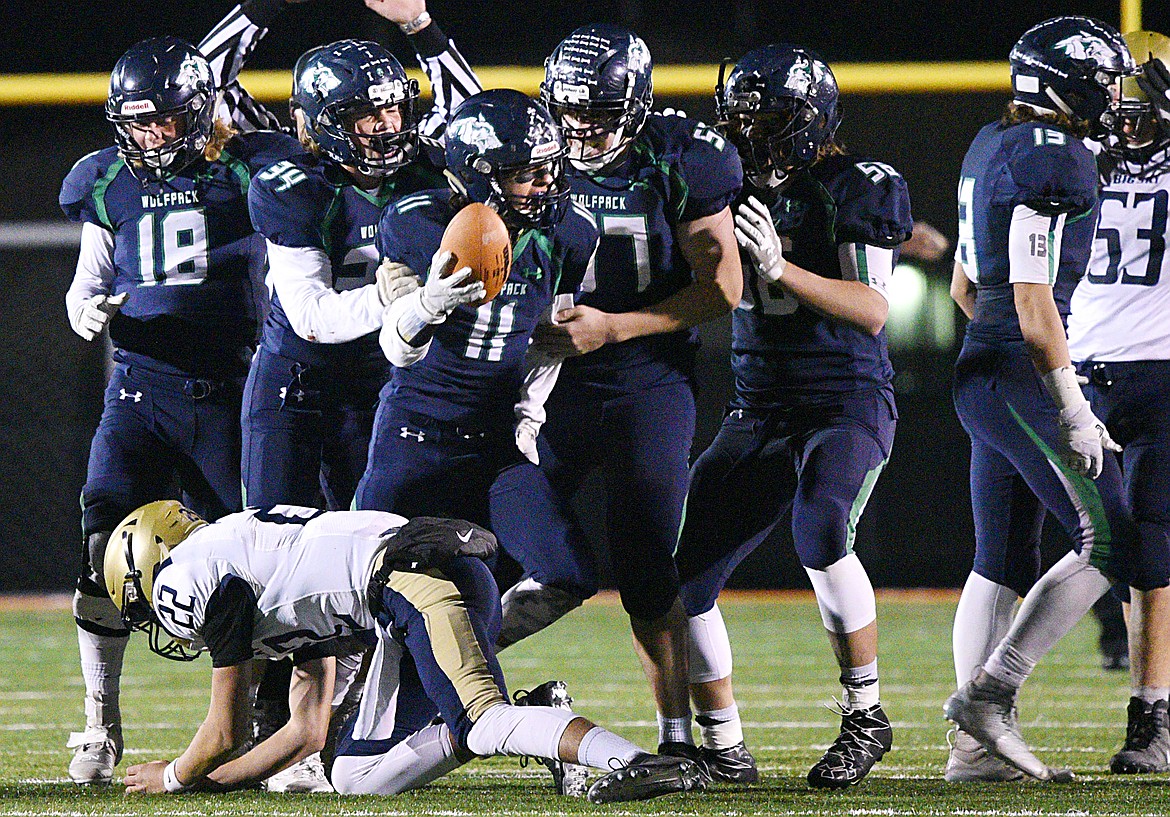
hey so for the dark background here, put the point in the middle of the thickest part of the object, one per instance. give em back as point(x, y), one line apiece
point(917, 529)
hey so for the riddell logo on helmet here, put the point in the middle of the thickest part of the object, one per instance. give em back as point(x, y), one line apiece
point(140, 106)
point(545, 150)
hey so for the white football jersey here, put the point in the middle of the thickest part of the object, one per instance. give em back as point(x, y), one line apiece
point(307, 569)
point(1121, 308)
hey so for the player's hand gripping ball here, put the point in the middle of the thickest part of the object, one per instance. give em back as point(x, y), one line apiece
point(479, 239)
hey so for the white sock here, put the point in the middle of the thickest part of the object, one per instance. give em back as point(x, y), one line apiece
point(101, 667)
point(982, 620)
point(675, 730)
point(720, 728)
point(708, 647)
point(1151, 695)
point(1053, 607)
point(426, 755)
point(604, 750)
point(860, 687)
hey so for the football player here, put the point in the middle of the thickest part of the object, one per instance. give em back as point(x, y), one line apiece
point(1027, 196)
point(292, 580)
point(168, 257)
point(811, 424)
point(1119, 338)
point(658, 187)
point(443, 441)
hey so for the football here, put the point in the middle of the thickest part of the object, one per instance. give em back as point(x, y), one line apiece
point(479, 239)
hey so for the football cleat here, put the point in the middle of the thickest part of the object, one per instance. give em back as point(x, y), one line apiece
point(648, 776)
point(97, 751)
point(969, 762)
point(734, 764)
point(989, 716)
point(1147, 740)
point(303, 777)
point(864, 739)
point(570, 779)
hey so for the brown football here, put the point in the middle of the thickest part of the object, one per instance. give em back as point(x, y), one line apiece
point(479, 239)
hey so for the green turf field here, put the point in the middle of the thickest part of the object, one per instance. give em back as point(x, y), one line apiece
point(1072, 712)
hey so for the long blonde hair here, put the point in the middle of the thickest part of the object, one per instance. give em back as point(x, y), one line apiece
point(221, 134)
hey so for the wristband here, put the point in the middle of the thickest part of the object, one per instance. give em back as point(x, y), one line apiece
point(171, 780)
point(417, 24)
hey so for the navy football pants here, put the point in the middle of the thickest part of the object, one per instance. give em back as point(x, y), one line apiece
point(1016, 473)
point(306, 430)
point(1133, 400)
point(160, 436)
point(822, 461)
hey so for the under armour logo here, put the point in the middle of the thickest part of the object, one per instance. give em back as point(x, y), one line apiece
point(297, 395)
point(406, 432)
point(125, 395)
point(464, 537)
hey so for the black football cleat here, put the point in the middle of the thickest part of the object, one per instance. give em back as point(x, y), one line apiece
point(864, 738)
point(648, 776)
point(734, 764)
point(1147, 740)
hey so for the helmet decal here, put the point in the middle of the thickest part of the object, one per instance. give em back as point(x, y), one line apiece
point(321, 79)
point(1084, 46)
point(800, 76)
point(192, 72)
point(476, 132)
point(638, 55)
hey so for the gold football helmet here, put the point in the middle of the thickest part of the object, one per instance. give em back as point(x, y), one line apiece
point(137, 548)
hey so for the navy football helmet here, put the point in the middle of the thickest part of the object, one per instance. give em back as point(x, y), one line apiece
point(499, 134)
point(778, 106)
point(600, 77)
point(1073, 65)
point(335, 84)
point(158, 79)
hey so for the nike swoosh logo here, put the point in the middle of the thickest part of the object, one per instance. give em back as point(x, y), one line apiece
point(464, 537)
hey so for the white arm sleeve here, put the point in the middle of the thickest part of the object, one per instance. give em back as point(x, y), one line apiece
point(871, 265)
point(95, 271)
point(405, 312)
point(301, 276)
point(541, 370)
point(1034, 246)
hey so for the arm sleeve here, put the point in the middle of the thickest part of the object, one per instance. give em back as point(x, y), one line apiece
point(871, 265)
point(95, 271)
point(227, 622)
point(227, 47)
point(452, 79)
point(1034, 246)
point(541, 370)
point(406, 332)
point(301, 278)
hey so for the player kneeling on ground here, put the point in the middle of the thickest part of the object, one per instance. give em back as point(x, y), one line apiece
point(290, 580)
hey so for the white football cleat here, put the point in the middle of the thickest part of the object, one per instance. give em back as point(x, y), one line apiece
point(969, 762)
point(303, 777)
point(97, 751)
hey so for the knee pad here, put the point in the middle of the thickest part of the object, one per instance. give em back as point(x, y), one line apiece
point(844, 595)
point(708, 647)
point(529, 607)
point(505, 729)
point(98, 615)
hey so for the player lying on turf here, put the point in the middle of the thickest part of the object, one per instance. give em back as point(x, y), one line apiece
point(290, 580)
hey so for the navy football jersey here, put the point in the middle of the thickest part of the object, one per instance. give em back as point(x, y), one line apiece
point(783, 351)
point(1043, 168)
point(474, 367)
point(307, 202)
point(678, 170)
point(184, 250)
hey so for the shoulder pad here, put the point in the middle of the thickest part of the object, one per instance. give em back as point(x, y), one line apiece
point(288, 201)
point(872, 200)
point(1051, 171)
point(706, 164)
point(77, 188)
point(259, 149)
point(407, 219)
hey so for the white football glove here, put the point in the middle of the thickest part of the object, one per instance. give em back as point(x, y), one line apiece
point(394, 280)
point(442, 294)
point(1083, 438)
point(526, 431)
point(756, 234)
point(96, 313)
